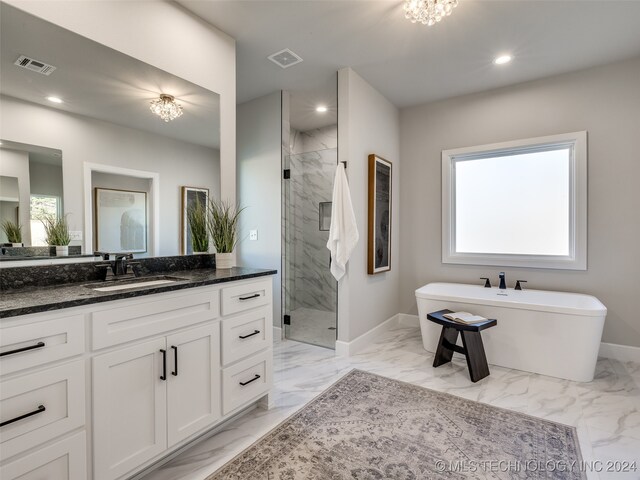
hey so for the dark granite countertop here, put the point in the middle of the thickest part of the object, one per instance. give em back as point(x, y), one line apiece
point(34, 299)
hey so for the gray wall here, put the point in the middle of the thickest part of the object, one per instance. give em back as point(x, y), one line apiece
point(259, 183)
point(605, 101)
point(367, 123)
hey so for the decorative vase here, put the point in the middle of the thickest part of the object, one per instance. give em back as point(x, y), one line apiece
point(224, 260)
point(62, 250)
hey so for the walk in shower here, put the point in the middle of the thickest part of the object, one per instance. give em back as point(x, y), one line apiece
point(309, 290)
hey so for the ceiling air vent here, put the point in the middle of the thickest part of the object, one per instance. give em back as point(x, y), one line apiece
point(285, 58)
point(34, 65)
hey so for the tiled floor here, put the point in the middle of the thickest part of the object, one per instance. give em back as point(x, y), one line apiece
point(310, 325)
point(606, 411)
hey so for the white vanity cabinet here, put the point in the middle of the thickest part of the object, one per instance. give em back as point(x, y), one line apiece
point(137, 378)
point(145, 401)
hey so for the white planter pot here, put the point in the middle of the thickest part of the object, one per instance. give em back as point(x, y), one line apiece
point(225, 260)
point(16, 245)
point(199, 253)
point(62, 251)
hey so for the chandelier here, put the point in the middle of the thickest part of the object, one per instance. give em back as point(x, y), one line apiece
point(428, 12)
point(166, 107)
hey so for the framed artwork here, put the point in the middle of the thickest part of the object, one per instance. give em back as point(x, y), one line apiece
point(120, 220)
point(379, 245)
point(189, 197)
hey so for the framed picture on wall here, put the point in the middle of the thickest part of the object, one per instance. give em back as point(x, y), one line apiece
point(379, 245)
point(120, 221)
point(190, 195)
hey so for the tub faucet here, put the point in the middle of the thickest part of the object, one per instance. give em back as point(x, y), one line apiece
point(503, 282)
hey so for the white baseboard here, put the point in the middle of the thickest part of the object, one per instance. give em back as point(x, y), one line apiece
point(277, 334)
point(622, 353)
point(346, 349)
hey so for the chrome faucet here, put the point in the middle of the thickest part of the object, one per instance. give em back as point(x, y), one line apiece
point(503, 281)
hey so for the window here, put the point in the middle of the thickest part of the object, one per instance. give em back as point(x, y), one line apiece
point(42, 206)
point(520, 204)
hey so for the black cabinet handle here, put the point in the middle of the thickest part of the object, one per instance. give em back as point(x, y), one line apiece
point(164, 364)
point(26, 415)
point(23, 349)
point(255, 332)
point(255, 295)
point(175, 360)
point(249, 381)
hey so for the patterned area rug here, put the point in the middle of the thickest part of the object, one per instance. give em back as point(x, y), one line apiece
point(368, 427)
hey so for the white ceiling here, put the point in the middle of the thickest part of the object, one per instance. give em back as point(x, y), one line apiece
point(411, 63)
point(99, 82)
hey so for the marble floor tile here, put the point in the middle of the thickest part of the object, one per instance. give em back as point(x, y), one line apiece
point(605, 412)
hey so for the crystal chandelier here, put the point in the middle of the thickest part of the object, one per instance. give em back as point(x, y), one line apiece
point(166, 107)
point(428, 12)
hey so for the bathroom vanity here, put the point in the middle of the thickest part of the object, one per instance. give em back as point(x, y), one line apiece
point(102, 384)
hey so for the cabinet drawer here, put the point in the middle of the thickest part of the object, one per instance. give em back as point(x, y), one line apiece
point(254, 373)
point(246, 334)
point(156, 314)
point(243, 297)
point(40, 343)
point(55, 399)
point(63, 460)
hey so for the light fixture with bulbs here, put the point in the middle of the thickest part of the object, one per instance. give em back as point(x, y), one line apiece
point(321, 109)
point(55, 99)
point(428, 12)
point(502, 59)
point(166, 107)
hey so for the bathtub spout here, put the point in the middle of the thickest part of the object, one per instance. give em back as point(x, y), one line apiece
point(503, 281)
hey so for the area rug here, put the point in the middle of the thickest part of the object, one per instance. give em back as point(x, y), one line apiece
point(368, 427)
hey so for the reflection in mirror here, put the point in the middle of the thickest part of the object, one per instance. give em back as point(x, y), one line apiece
point(101, 120)
point(30, 187)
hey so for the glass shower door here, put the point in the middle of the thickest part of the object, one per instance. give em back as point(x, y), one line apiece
point(309, 289)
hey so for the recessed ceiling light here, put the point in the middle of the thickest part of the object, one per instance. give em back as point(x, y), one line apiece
point(321, 109)
point(502, 59)
point(54, 99)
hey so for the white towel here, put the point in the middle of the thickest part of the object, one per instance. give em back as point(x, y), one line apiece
point(343, 233)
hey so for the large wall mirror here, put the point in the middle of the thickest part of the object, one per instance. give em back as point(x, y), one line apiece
point(75, 118)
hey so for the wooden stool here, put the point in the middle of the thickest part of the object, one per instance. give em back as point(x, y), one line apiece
point(473, 348)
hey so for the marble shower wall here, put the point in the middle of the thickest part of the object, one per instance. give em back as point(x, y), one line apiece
point(312, 162)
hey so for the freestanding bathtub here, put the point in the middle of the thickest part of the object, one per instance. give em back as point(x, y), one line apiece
point(551, 333)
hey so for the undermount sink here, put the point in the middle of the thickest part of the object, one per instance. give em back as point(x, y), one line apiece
point(125, 284)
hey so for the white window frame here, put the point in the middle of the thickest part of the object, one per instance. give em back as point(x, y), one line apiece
point(577, 257)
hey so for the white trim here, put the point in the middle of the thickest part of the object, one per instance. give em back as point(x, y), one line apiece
point(277, 334)
point(347, 349)
point(577, 258)
point(622, 353)
point(89, 168)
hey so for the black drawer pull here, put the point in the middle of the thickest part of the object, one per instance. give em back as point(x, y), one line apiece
point(164, 364)
point(26, 415)
point(175, 361)
point(249, 381)
point(255, 295)
point(23, 349)
point(250, 335)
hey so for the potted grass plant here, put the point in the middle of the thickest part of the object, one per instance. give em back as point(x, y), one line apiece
point(57, 233)
point(223, 227)
point(13, 231)
point(198, 221)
